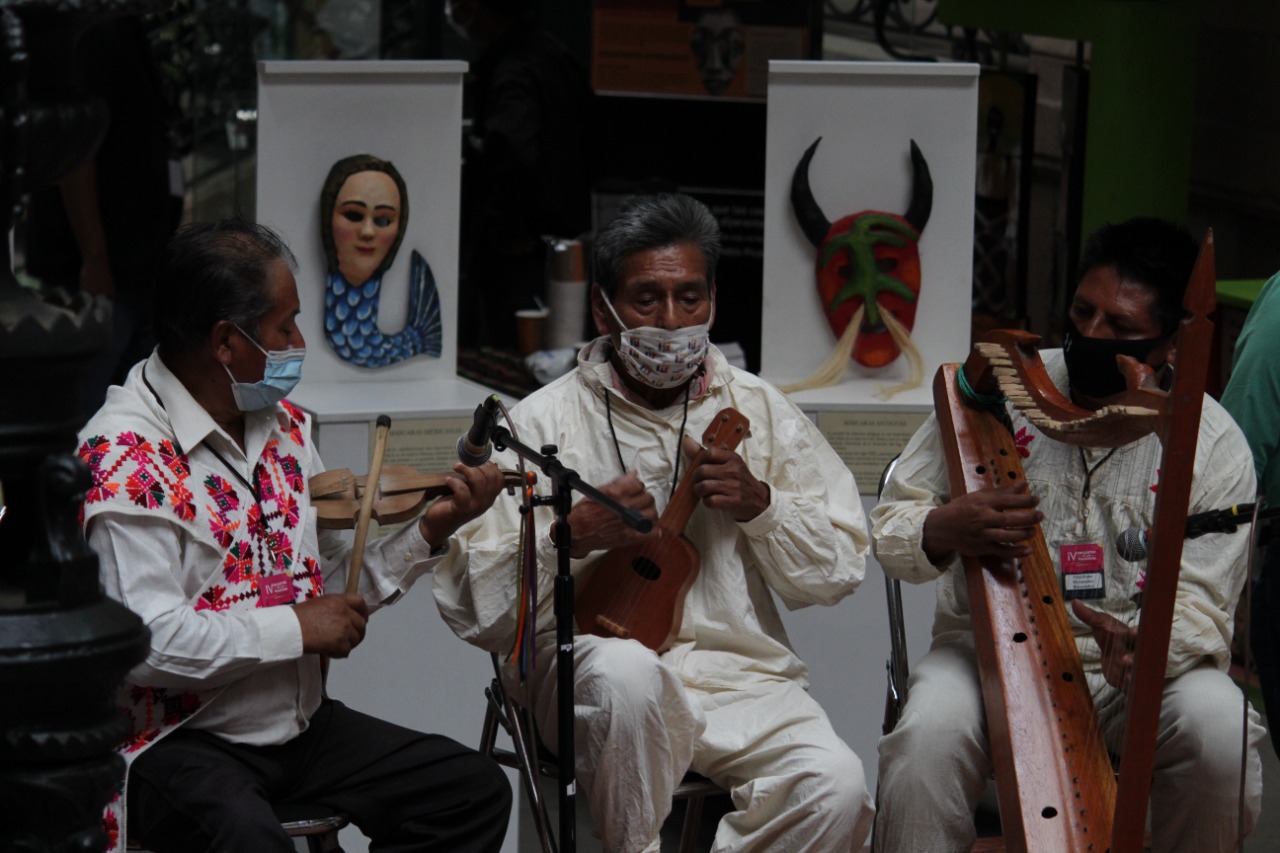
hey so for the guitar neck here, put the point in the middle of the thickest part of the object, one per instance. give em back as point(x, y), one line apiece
point(726, 432)
point(680, 509)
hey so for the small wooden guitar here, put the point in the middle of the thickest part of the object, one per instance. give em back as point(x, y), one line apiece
point(637, 592)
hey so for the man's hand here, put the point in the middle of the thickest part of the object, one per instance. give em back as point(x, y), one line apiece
point(471, 493)
point(723, 482)
point(996, 521)
point(1116, 640)
point(596, 528)
point(332, 625)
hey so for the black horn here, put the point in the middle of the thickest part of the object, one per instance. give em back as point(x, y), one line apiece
point(813, 222)
point(917, 214)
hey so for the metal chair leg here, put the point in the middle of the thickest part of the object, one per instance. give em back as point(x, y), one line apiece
point(692, 823)
point(523, 758)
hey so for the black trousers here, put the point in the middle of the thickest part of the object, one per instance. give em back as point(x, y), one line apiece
point(405, 790)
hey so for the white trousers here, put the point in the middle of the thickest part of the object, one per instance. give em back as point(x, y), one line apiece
point(934, 765)
point(795, 785)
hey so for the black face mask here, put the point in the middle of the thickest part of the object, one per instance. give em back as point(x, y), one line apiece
point(1091, 362)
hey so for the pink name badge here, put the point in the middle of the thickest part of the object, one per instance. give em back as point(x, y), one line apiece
point(1082, 571)
point(275, 589)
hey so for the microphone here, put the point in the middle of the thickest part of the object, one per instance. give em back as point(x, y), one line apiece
point(1132, 544)
point(475, 445)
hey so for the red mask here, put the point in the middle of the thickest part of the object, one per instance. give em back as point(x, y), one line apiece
point(867, 259)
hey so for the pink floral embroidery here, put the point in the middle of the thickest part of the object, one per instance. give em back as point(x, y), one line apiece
point(292, 473)
point(225, 501)
point(212, 599)
point(181, 499)
point(111, 826)
point(296, 418)
point(174, 461)
point(101, 492)
point(279, 551)
point(144, 489)
point(1023, 442)
point(313, 576)
point(253, 522)
point(94, 450)
point(291, 511)
point(237, 566)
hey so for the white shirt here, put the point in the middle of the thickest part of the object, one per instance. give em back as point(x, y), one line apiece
point(1121, 496)
point(159, 567)
point(808, 547)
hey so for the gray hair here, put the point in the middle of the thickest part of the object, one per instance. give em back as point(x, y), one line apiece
point(211, 272)
point(654, 222)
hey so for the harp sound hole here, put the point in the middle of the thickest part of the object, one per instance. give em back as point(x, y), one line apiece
point(646, 568)
point(1048, 599)
point(1019, 637)
point(981, 469)
point(1048, 812)
point(1066, 676)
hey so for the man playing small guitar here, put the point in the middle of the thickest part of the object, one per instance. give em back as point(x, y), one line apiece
point(779, 515)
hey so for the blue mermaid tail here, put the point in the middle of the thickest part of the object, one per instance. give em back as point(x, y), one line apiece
point(351, 319)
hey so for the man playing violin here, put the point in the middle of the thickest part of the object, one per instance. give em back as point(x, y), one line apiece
point(935, 763)
point(202, 521)
point(780, 516)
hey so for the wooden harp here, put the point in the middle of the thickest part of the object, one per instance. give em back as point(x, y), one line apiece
point(1055, 783)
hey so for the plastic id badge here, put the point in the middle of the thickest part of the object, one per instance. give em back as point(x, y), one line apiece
point(275, 589)
point(1082, 571)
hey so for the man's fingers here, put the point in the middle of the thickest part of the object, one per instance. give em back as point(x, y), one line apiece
point(1086, 615)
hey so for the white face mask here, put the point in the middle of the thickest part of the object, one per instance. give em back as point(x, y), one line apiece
point(279, 377)
point(662, 358)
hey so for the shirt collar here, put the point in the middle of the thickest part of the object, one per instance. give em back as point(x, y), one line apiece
point(190, 421)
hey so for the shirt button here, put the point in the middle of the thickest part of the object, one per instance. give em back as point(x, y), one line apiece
point(408, 555)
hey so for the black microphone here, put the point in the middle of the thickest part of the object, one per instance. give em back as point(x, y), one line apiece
point(475, 445)
point(1132, 544)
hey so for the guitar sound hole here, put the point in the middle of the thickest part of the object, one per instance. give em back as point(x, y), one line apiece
point(646, 568)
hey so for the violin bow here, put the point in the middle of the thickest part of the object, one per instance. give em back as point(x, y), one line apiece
point(366, 502)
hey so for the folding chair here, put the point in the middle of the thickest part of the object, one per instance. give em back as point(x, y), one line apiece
point(531, 760)
point(987, 817)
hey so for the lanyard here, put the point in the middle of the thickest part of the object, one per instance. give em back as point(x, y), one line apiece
point(675, 477)
point(1088, 477)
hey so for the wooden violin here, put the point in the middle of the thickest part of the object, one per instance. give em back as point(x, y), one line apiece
point(402, 493)
point(638, 591)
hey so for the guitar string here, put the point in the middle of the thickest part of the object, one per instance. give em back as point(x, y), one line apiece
point(624, 592)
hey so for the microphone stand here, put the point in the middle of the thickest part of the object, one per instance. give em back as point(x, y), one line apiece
point(565, 480)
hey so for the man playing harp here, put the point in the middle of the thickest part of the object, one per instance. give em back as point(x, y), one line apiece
point(935, 763)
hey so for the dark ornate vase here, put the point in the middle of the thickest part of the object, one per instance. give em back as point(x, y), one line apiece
point(64, 647)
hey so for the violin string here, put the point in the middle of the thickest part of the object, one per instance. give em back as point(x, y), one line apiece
point(522, 651)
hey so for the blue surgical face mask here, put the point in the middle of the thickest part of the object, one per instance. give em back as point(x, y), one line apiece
point(281, 375)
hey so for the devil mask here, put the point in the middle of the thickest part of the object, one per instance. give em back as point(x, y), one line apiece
point(869, 259)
